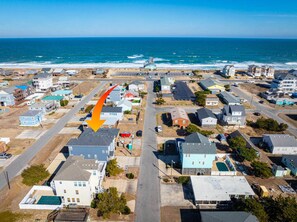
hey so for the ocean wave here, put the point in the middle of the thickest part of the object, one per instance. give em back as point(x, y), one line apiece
point(160, 60)
point(139, 64)
point(39, 56)
point(136, 56)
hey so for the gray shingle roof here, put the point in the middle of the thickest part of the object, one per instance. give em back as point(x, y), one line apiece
point(292, 159)
point(229, 98)
point(110, 109)
point(228, 109)
point(204, 113)
point(42, 75)
point(31, 113)
point(198, 144)
point(209, 82)
point(103, 137)
point(282, 140)
point(75, 169)
point(165, 81)
point(227, 216)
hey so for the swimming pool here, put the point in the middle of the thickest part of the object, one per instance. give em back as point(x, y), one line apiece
point(222, 166)
point(49, 200)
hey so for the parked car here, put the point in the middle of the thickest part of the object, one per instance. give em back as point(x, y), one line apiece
point(257, 114)
point(159, 129)
point(5, 156)
point(139, 133)
point(261, 101)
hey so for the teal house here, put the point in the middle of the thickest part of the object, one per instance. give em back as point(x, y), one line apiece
point(197, 154)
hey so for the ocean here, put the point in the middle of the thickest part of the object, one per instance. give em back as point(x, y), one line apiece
point(192, 53)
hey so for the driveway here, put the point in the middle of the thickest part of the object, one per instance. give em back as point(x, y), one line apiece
point(148, 193)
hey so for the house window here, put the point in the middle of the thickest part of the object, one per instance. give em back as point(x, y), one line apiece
point(94, 172)
point(60, 182)
point(75, 184)
point(89, 155)
point(73, 199)
point(192, 162)
point(77, 200)
point(76, 192)
point(68, 199)
point(64, 191)
point(79, 184)
point(84, 184)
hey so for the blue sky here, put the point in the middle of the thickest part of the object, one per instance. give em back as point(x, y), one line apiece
point(186, 18)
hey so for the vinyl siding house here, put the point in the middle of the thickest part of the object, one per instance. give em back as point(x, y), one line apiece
point(43, 82)
point(228, 71)
point(280, 143)
point(44, 107)
point(290, 161)
point(233, 115)
point(229, 99)
point(136, 86)
point(52, 99)
point(79, 180)
point(212, 85)
point(285, 83)
point(254, 71)
point(6, 98)
point(206, 118)
point(179, 117)
point(31, 118)
point(165, 84)
point(125, 104)
point(197, 154)
point(116, 95)
point(98, 145)
point(112, 112)
point(211, 100)
point(27, 90)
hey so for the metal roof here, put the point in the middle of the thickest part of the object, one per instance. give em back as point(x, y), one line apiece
point(31, 113)
point(111, 109)
point(165, 81)
point(209, 82)
point(281, 140)
point(228, 98)
point(292, 159)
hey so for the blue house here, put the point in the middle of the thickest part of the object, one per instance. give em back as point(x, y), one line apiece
point(6, 98)
point(197, 154)
point(290, 161)
point(31, 118)
point(98, 145)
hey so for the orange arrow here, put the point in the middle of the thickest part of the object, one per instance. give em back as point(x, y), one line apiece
point(95, 122)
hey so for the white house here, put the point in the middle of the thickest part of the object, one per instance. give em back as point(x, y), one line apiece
point(228, 71)
point(125, 104)
point(206, 117)
point(79, 180)
point(136, 86)
point(280, 143)
point(233, 115)
point(43, 82)
point(72, 72)
point(112, 112)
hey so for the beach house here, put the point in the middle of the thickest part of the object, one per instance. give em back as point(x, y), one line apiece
point(31, 118)
point(43, 82)
point(109, 112)
point(165, 83)
point(79, 180)
point(136, 86)
point(179, 117)
point(98, 145)
point(228, 71)
point(233, 115)
point(206, 118)
point(211, 100)
point(280, 143)
point(116, 95)
point(44, 107)
point(285, 83)
point(125, 104)
point(52, 99)
point(65, 93)
point(214, 86)
point(58, 71)
point(196, 154)
point(267, 72)
point(254, 71)
point(290, 161)
point(6, 98)
point(219, 191)
point(229, 98)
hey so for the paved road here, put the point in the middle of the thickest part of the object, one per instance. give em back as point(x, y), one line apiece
point(148, 193)
point(22, 161)
point(268, 111)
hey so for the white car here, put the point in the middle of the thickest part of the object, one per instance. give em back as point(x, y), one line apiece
point(159, 129)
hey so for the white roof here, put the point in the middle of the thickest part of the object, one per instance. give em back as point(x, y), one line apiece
point(219, 188)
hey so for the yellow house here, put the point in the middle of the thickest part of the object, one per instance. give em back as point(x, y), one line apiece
point(212, 85)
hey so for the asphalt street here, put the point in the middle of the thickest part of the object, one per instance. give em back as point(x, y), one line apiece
point(14, 168)
point(148, 193)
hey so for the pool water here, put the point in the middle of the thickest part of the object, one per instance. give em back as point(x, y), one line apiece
point(222, 166)
point(49, 200)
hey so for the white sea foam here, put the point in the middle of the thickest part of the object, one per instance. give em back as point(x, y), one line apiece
point(39, 56)
point(139, 64)
point(136, 56)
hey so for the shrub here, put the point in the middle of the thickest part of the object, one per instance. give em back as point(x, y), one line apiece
point(201, 96)
point(261, 169)
point(183, 179)
point(192, 128)
point(160, 101)
point(166, 180)
point(34, 175)
point(268, 124)
point(89, 108)
point(248, 154)
point(126, 210)
point(64, 102)
point(112, 168)
point(237, 142)
point(130, 176)
point(127, 112)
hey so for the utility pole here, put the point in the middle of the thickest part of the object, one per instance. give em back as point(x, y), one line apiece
point(7, 178)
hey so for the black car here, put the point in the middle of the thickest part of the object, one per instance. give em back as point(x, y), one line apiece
point(139, 133)
point(257, 114)
point(261, 101)
point(5, 156)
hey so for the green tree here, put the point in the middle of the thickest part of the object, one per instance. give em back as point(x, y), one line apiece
point(269, 125)
point(201, 96)
point(253, 206)
point(110, 202)
point(34, 174)
point(127, 112)
point(192, 128)
point(64, 102)
point(89, 108)
point(227, 87)
point(261, 169)
point(112, 168)
point(237, 142)
point(160, 101)
point(248, 154)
